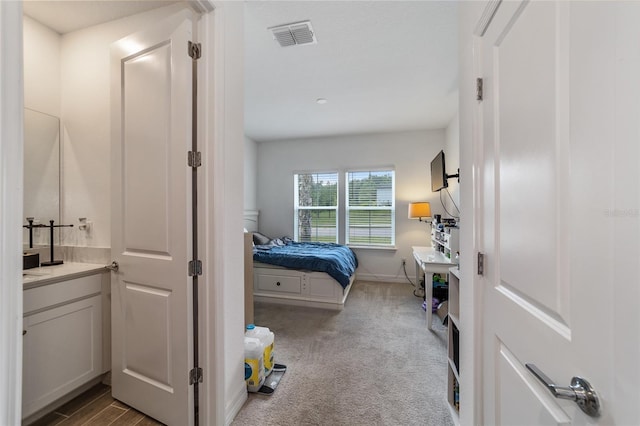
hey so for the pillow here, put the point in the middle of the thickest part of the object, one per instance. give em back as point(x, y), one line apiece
point(276, 242)
point(260, 239)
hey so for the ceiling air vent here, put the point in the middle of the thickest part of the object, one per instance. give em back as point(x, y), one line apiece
point(292, 34)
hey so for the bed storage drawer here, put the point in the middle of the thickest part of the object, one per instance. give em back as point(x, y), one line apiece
point(278, 283)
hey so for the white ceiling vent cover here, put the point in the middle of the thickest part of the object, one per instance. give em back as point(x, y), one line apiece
point(292, 34)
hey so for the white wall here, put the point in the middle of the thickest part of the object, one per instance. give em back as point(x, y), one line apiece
point(85, 113)
point(41, 67)
point(250, 174)
point(410, 153)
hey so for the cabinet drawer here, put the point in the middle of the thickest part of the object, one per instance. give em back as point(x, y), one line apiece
point(278, 283)
point(38, 298)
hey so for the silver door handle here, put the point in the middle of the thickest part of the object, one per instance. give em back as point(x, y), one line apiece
point(113, 267)
point(579, 391)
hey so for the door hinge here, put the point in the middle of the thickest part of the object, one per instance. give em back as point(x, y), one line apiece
point(194, 159)
point(195, 50)
point(195, 268)
point(480, 263)
point(479, 84)
point(195, 376)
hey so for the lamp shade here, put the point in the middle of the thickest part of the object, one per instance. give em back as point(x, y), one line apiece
point(419, 210)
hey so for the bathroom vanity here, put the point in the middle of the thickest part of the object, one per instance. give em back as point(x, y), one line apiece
point(66, 332)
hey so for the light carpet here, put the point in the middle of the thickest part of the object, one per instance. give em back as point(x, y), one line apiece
point(374, 363)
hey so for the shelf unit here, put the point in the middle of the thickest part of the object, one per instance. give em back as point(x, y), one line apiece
point(453, 346)
point(446, 241)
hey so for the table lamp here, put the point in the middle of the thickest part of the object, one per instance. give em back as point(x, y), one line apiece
point(420, 210)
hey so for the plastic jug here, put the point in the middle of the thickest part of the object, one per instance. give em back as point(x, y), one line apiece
point(253, 363)
point(267, 338)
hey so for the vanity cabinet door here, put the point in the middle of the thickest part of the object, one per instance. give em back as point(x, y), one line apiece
point(62, 350)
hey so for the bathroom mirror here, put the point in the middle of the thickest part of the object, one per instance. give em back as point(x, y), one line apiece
point(41, 174)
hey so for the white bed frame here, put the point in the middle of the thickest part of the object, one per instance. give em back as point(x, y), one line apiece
point(295, 287)
point(274, 284)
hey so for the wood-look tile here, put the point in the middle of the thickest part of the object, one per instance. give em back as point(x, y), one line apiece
point(106, 416)
point(50, 419)
point(96, 407)
point(89, 411)
point(119, 404)
point(81, 400)
point(131, 417)
point(148, 421)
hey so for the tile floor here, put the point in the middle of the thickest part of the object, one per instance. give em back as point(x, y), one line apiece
point(95, 407)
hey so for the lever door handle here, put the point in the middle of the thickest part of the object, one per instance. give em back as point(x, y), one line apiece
point(113, 267)
point(579, 391)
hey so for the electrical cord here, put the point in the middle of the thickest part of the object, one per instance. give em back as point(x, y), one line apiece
point(404, 268)
point(452, 201)
point(445, 207)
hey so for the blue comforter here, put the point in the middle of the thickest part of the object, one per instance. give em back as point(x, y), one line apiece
point(338, 261)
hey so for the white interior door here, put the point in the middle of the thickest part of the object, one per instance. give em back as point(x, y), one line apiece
point(151, 229)
point(560, 190)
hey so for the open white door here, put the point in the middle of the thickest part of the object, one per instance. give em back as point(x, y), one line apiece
point(560, 224)
point(151, 220)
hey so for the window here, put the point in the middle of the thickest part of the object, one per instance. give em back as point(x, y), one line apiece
point(316, 207)
point(370, 209)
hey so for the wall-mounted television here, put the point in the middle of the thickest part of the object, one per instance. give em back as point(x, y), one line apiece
point(438, 173)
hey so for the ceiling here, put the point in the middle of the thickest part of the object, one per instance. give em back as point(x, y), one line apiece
point(72, 15)
point(383, 66)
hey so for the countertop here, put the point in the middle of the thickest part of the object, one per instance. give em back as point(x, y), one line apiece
point(431, 256)
point(456, 271)
point(43, 275)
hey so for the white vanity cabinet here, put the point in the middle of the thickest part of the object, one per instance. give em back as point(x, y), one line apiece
point(62, 339)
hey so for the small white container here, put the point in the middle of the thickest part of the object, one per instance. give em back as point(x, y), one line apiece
point(253, 363)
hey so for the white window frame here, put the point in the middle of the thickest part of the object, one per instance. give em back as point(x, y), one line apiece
point(297, 207)
point(392, 208)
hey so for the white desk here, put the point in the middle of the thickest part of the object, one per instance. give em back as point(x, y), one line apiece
point(430, 261)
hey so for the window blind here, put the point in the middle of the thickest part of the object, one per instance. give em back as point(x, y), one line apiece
point(370, 209)
point(316, 207)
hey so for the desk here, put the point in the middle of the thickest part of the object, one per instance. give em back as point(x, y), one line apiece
point(430, 261)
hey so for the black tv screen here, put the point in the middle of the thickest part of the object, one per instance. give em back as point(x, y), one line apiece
point(438, 173)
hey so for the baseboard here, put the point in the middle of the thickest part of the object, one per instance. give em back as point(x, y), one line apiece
point(235, 405)
point(332, 306)
point(361, 276)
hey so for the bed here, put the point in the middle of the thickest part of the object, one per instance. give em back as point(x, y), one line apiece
point(282, 272)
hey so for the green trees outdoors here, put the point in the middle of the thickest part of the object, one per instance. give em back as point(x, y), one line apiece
point(367, 191)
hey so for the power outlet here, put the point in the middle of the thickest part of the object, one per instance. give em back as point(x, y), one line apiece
point(404, 261)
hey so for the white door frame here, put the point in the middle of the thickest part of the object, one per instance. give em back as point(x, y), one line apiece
point(11, 159)
point(221, 210)
point(471, 17)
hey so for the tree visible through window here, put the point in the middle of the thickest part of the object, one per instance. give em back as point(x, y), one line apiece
point(316, 207)
point(370, 210)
